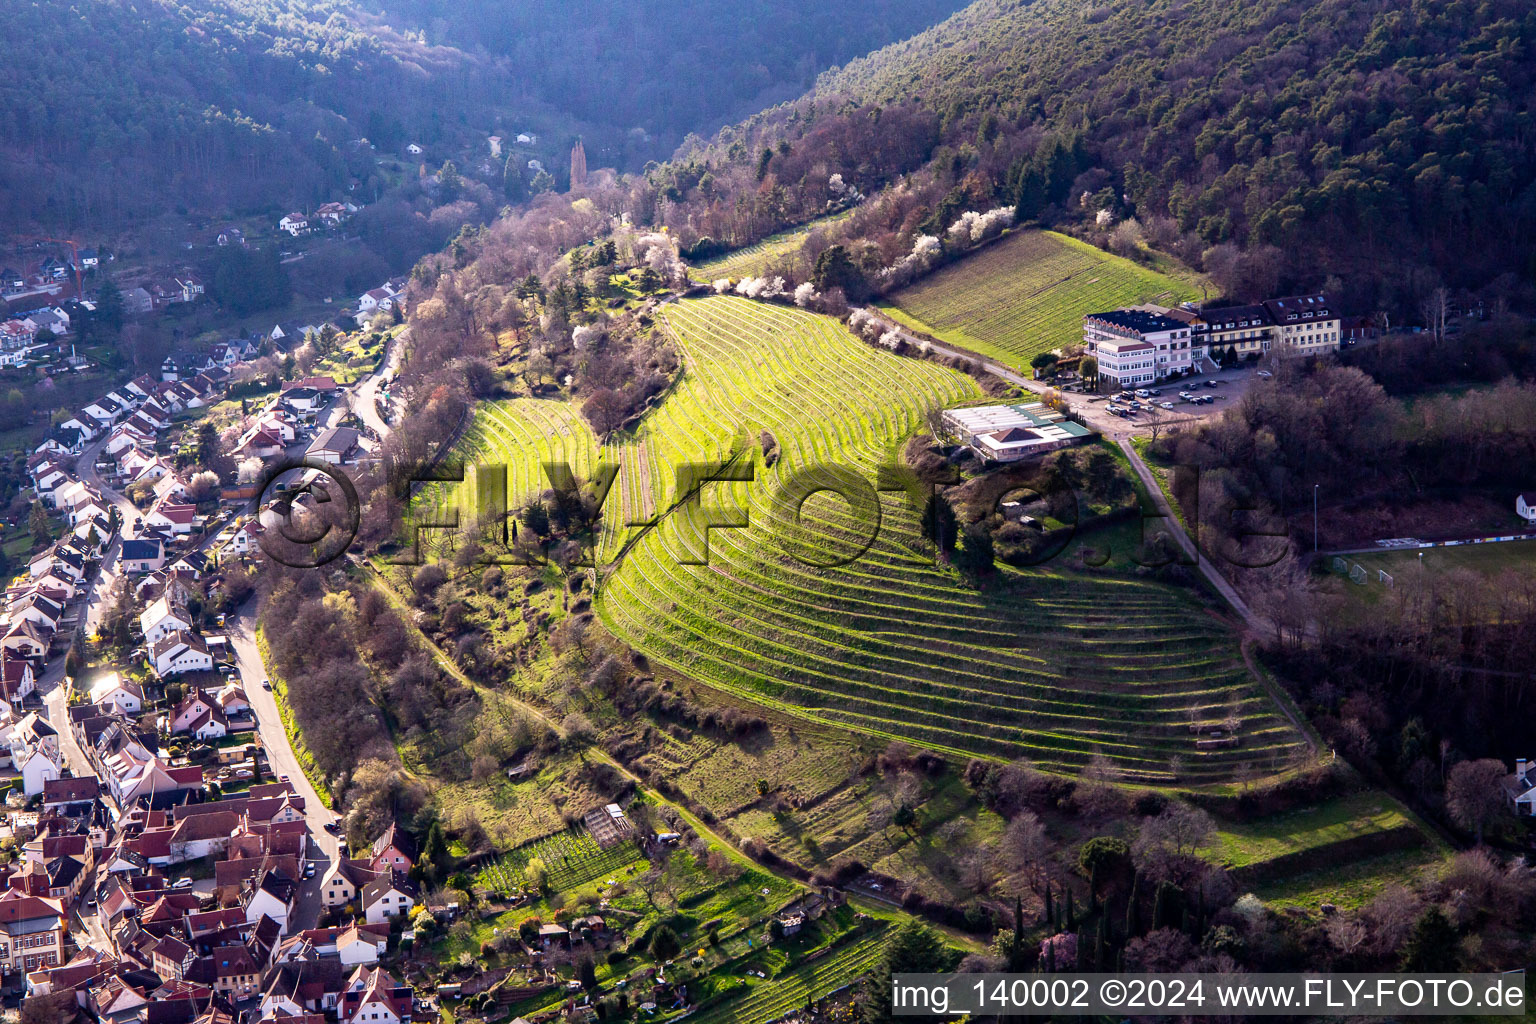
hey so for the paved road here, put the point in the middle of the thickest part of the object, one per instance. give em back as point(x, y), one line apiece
point(50, 684)
point(1255, 622)
point(323, 847)
point(365, 393)
point(1176, 529)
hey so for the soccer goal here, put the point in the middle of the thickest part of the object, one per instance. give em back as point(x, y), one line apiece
point(1358, 575)
point(1340, 565)
point(1385, 577)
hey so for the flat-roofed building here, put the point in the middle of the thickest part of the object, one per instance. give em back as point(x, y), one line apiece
point(1011, 433)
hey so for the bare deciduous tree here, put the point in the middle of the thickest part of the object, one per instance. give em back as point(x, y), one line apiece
point(1474, 794)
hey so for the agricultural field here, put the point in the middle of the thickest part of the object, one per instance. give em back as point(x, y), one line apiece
point(572, 857)
point(770, 999)
point(757, 260)
point(837, 826)
point(1027, 293)
point(833, 611)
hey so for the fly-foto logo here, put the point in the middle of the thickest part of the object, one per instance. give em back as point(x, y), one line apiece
point(695, 509)
point(310, 512)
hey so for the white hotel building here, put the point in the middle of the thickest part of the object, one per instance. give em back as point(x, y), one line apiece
point(1137, 346)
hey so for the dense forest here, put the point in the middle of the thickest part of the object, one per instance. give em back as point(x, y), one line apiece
point(656, 69)
point(115, 111)
point(1368, 139)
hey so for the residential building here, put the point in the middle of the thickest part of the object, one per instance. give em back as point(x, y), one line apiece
point(393, 850)
point(343, 880)
point(199, 715)
point(117, 694)
point(391, 894)
point(32, 930)
point(164, 616)
point(141, 555)
point(1520, 787)
point(180, 653)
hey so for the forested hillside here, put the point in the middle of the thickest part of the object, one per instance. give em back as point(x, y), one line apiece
point(112, 110)
point(1363, 138)
point(667, 67)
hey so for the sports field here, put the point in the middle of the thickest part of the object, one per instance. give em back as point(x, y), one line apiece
point(1039, 664)
point(1027, 293)
point(1486, 559)
point(757, 260)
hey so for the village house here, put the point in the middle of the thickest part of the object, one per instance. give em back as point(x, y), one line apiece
point(246, 538)
point(118, 695)
point(1520, 787)
point(25, 639)
point(164, 616)
point(177, 519)
point(32, 932)
point(373, 996)
point(71, 795)
point(295, 224)
point(198, 715)
point(35, 753)
point(391, 894)
point(141, 555)
point(343, 880)
point(17, 680)
point(393, 850)
point(180, 653)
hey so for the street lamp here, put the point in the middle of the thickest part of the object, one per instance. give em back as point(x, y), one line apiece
point(1314, 518)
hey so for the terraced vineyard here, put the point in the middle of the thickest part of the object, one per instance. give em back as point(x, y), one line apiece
point(1027, 294)
point(572, 857)
point(769, 1000)
point(756, 260)
point(1044, 665)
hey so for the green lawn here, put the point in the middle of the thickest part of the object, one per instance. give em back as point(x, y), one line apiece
point(1350, 885)
point(1307, 828)
point(1405, 567)
point(1027, 293)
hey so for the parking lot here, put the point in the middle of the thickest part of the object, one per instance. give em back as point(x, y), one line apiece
point(1229, 387)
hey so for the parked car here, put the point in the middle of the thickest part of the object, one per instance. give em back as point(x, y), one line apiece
point(1166, 405)
point(182, 883)
point(1156, 391)
point(266, 684)
point(1265, 374)
point(333, 827)
point(1143, 393)
point(1212, 383)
